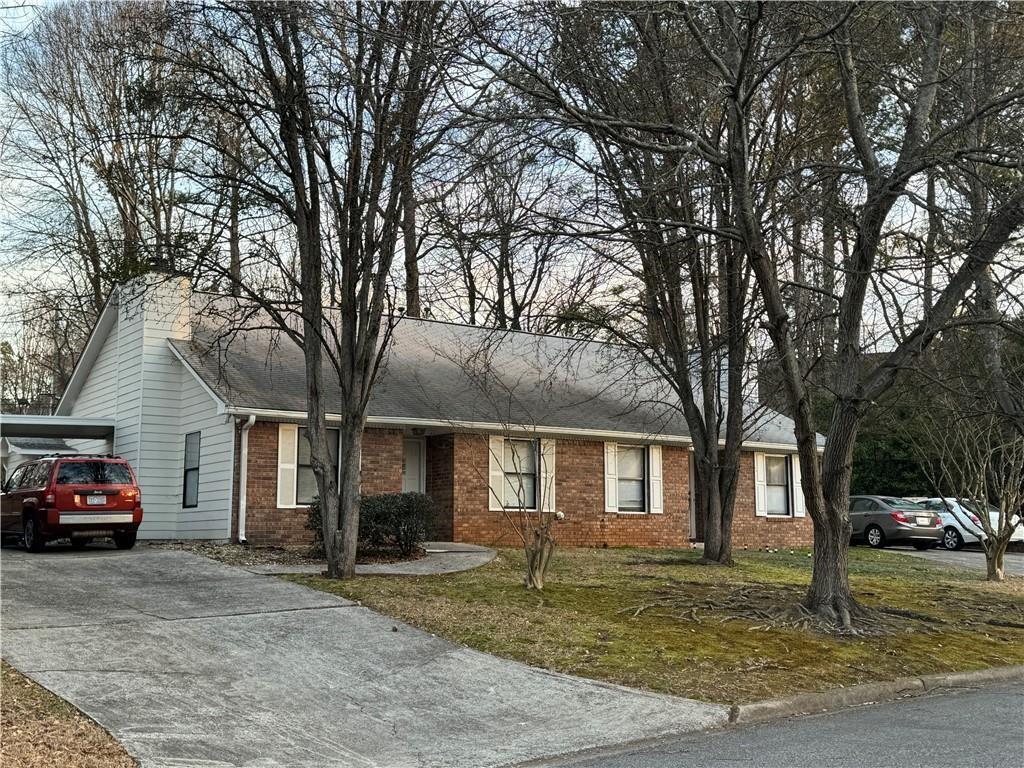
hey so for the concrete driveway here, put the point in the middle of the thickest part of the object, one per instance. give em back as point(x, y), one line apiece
point(189, 662)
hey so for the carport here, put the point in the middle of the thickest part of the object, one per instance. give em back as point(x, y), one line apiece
point(38, 430)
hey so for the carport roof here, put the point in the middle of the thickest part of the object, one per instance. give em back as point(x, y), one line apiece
point(18, 425)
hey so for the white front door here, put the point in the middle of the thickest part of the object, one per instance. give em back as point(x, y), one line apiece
point(413, 467)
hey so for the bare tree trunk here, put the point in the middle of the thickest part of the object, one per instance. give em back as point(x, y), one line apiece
point(350, 458)
point(412, 263)
point(234, 239)
point(995, 549)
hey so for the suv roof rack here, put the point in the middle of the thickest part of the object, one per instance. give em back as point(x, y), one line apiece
point(80, 456)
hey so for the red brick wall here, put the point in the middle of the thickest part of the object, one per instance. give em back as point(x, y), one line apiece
point(752, 532)
point(439, 483)
point(457, 481)
point(266, 524)
point(579, 494)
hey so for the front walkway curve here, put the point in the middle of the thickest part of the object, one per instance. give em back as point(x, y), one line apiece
point(189, 662)
point(441, 557)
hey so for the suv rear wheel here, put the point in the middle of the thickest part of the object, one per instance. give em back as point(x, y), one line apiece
point(34, 542)
point(125, 539)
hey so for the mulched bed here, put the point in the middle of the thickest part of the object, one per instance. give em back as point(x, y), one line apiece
point(40, 730)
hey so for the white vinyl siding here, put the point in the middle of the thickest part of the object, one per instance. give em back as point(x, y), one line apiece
point(211, 517)
point(98, 398)
point(155, 401)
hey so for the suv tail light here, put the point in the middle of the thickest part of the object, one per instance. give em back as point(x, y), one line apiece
point(130, 493)
point(899, 517)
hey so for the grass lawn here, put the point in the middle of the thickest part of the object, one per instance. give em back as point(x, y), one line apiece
point(40, 730)
point(658, 620)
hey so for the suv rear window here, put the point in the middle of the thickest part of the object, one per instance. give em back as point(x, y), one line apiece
point(93, 472)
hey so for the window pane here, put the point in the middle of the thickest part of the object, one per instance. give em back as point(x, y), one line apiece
point(191, 495)
point(775, 467)
point(631, 495)
point(305, 451)
point(631, 462)
point(520, 456)
point(307, 486)
point(192, 450)
point(520, 491)
point(777, 500)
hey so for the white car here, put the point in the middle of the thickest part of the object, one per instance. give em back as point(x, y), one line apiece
point(960, 521)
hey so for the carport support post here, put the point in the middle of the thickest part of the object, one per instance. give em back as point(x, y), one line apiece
point(243, 473)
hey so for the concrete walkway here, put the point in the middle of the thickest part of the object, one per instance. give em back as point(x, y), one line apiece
point(441, 557)
point(189, 662)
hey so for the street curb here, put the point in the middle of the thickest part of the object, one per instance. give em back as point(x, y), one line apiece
point(868, 693)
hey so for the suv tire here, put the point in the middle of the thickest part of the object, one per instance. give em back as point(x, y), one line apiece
point(34, 542)
point(125, 539)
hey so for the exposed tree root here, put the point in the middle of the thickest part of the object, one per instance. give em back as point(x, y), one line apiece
point(774, 607)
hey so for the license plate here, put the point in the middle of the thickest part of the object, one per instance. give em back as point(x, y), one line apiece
point(95, 501)
point(924, 521)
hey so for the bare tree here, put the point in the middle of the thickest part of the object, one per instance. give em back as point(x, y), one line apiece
point(747, 54)
point(330, 96)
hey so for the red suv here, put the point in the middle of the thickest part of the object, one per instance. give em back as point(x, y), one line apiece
point(81, 498)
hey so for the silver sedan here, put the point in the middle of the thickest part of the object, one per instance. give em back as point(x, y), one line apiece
point(882, 520)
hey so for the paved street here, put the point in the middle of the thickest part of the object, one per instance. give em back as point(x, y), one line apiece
point(189, 662)
point(972, 559)
point(981, 728)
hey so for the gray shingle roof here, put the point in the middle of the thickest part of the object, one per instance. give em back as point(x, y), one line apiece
point(437, 371)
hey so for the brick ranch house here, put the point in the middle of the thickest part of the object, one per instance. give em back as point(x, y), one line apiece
point(483, 421)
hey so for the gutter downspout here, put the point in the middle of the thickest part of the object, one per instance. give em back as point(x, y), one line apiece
point(243, 472)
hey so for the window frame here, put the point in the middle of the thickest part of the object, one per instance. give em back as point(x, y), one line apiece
point(186, 469)
point(506, 473)
point(9, 484)
point(787, 485)
point(645, 472)
point(299, 466)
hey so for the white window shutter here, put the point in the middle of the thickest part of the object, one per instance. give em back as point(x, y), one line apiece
point(496, 485)
point(655, 485)
point(760, 487)
point(611, 478)
point(287, 461)
point(547, 474)
point(797, 488)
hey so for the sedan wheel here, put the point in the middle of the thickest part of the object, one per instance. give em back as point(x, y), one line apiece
point(952, 540)
point(875, 537)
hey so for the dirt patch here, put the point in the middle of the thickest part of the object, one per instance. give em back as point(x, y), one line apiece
point(40, 730)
